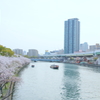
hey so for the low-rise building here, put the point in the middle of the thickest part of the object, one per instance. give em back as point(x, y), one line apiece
point(94, 47)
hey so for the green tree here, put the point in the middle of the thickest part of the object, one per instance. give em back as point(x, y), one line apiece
point(71, 58)
point(6, 51)
point(26, 56)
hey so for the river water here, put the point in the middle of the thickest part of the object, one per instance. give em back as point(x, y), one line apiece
point(69, 82)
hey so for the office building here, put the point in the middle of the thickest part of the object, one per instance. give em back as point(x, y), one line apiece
point(94, 47)
point(71, 35)
point(84, 47)
point(18, 51)
point(32, 53)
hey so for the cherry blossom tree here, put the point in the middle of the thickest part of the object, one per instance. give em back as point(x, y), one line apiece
point(8, 67)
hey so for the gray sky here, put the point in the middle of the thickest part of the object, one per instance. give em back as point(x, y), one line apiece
point(39, 24)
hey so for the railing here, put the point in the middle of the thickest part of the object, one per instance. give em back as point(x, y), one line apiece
point(50, 60)
point(90, 53)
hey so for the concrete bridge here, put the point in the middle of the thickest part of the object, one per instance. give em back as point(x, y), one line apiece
point(48, 60)
point(62, 57)
point(81, 54)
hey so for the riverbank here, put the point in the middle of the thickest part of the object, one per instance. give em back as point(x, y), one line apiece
point(9, 68)
point(83, 64)
point(9, 89)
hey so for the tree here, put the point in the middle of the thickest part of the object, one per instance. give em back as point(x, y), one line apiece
point(6, 51)
point(8, 67)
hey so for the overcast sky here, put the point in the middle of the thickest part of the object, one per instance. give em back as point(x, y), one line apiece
point(39, 24)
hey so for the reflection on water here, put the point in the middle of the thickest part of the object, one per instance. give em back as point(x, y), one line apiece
point(69, 82)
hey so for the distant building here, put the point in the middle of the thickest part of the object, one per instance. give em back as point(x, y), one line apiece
point(60, 51)
point(84, 47)
point(32, 53)
point(24, 52)
point(94, 47)
point(54, 52)
point(18, 51)
point(71, 36)
point(47, 52)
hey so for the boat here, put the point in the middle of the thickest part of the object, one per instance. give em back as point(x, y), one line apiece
point(54, 66)
point(32, 65)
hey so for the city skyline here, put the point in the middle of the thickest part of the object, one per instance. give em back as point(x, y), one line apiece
point(40, 24)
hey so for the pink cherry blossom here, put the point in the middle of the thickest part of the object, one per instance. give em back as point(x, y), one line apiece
point(9, 66)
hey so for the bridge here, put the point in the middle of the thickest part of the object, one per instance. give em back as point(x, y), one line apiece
point(48, 60)
point(62, 57)
point(81, 54)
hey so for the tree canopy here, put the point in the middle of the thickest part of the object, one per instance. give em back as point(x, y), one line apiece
point(6, 51)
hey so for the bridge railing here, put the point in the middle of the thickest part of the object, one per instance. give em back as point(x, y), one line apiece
point(51, 60)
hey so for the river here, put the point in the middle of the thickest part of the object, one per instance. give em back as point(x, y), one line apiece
point(69, 82)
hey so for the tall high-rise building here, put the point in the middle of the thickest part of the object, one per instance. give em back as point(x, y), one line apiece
point(71, 35)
